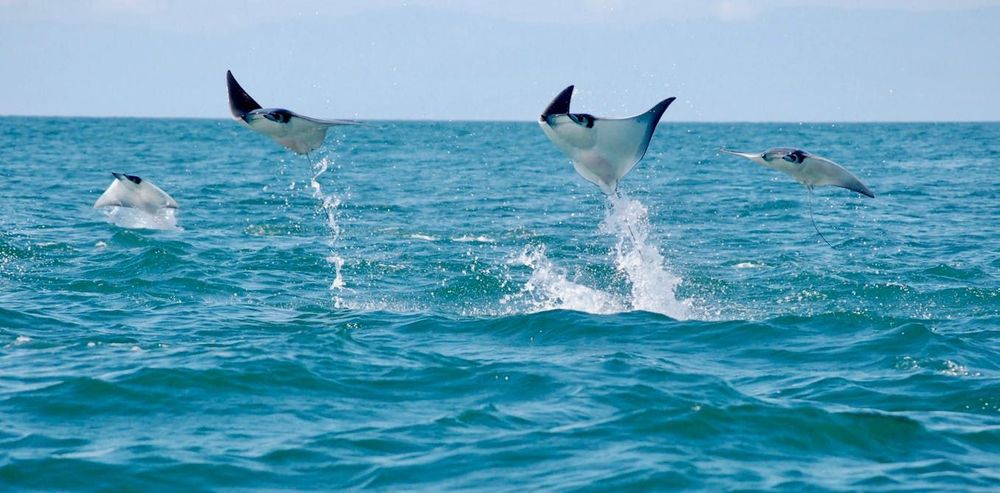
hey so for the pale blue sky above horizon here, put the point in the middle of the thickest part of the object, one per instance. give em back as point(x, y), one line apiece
point(729, 60)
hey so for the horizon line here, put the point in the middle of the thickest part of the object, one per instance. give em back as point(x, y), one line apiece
point(501, 120)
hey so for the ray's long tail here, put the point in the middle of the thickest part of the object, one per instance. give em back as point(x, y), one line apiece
point(813, 219)
point(635, 241)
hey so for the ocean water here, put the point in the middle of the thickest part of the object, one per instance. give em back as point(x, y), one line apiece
point(448, 306)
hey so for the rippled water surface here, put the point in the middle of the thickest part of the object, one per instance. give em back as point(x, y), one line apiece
point(442, 306)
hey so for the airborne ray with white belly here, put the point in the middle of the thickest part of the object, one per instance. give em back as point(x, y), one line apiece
point(301, 134)
point(603, 150)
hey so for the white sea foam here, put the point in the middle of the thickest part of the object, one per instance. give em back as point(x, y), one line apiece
point(473, 239)
point(954, 369)
point(421, 236)
point(127, 217)
point(85, 454)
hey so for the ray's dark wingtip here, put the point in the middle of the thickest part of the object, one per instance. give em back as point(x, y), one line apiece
point(660, 108)
point(240, 103)
point(559, 105)
point(663, 105)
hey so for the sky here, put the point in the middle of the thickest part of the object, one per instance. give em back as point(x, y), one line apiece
point(725, 60)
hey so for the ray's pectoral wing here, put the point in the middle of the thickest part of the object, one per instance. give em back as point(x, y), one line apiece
point(826, 172)
point(623, 142)
point(164, 198)
point(113, 196)
point(322, 122)
point(151, 198)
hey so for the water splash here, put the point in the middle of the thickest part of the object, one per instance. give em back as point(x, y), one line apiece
point(329, 204)
point(127, 217)
point(549, 288)
point(653, 285)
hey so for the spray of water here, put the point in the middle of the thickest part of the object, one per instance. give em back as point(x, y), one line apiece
point(127, 217)
point(549, 288)
point(328, 205)
point(652, 284)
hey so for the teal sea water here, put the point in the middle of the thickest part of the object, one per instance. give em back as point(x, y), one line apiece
point(448, 306)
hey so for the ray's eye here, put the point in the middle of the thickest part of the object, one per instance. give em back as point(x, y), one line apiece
point(582, 119)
